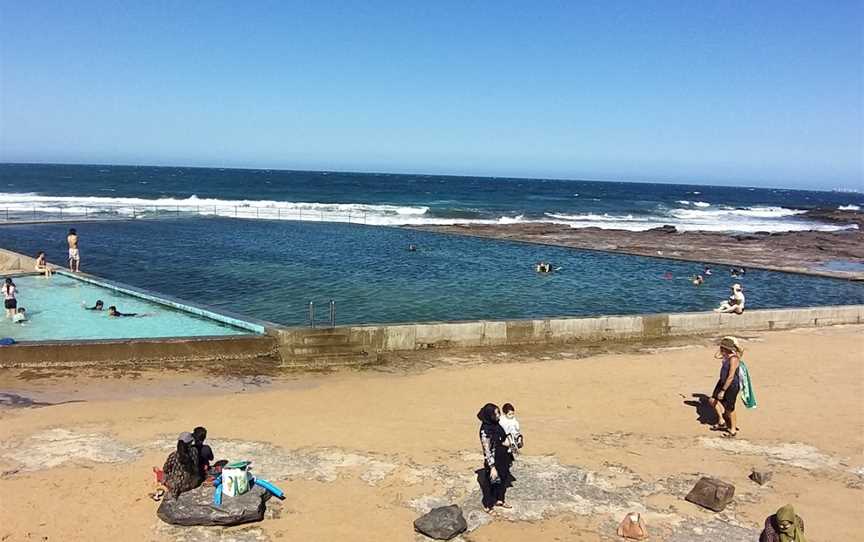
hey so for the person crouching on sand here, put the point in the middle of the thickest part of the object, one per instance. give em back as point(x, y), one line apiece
point(725, 393)
point(735, 303)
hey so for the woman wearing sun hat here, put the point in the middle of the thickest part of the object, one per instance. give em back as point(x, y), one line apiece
point(725, 393)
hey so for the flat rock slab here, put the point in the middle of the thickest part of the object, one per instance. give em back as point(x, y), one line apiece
point(442, 523)
point(712, 494)
point(196, 507)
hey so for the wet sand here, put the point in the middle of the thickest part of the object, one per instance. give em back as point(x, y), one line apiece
point(799, 252)
point(360, 454)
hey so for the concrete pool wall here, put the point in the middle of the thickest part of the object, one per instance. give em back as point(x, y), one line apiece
point(12, 262)
point(353, 343)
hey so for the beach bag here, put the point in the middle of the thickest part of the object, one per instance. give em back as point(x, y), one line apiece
point(235, 479)
point(633, 527)
point(748, 395)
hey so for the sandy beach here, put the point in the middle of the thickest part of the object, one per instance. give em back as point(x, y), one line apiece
point(361, 454)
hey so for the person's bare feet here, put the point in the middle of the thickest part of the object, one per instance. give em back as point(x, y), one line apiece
point(503, 504)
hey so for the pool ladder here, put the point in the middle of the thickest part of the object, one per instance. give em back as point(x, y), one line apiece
point(312, 314)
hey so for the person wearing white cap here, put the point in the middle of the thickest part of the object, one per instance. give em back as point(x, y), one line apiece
point(735, 303)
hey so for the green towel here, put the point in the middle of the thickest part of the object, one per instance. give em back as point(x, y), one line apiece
point(748, 395)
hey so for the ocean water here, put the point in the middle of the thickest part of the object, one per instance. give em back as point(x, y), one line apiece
point(31, 191)
point(272, 269)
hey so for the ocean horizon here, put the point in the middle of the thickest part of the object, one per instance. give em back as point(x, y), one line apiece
point(395, 199)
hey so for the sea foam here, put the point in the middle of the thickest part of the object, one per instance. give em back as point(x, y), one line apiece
point(748, 219)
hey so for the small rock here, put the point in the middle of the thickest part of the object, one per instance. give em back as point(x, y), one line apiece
point(666, 228)
point(442, 523)
point(711, 493)
point(760, 477)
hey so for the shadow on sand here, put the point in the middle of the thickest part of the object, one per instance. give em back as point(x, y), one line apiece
point(706, 415)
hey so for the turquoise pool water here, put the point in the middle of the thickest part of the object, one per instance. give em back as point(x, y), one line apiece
point(55, 309)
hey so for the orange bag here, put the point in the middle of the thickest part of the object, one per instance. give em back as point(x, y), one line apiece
point(633, 527)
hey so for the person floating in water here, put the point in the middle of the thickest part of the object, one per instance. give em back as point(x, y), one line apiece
point(412, 248)
point(112, 311)
point(697, 280)
point(97, 307)
point(707, 271)
point(735, 303)
point(543, 267)
point(74, 254)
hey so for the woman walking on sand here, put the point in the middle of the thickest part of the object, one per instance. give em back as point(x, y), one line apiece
point(496, 458)
point(725, 393)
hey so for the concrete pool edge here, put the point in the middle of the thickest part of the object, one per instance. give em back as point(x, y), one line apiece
point(362, 342)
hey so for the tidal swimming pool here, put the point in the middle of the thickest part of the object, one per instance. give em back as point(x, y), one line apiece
point(271, 270)
point(55, 308)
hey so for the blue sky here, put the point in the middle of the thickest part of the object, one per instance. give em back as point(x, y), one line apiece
point(755, 93)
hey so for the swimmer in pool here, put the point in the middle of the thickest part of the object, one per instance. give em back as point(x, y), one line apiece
point(20, 316)
point(543, 267)
point(97, 307)
point(112, 311)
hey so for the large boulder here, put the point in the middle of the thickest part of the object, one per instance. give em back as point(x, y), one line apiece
point(442, 523)
point(711, 493)
point(196, 507)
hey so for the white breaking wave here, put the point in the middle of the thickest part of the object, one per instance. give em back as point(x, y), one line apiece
point(849, 207)
point(694, 203)
point(752, 219)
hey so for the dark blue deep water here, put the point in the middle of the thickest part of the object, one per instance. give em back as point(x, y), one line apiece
point(26, 191)
point(273, 269)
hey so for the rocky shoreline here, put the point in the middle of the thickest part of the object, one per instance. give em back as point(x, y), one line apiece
point(798, 252)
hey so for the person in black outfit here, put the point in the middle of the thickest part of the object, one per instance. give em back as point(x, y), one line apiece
point(205, 453)
point(495, 477)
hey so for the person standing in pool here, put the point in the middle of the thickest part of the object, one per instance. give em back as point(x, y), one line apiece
point(10, 301)
point(725, 393)
point(74, 254)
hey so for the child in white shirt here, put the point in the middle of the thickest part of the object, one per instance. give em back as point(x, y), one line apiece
point(19, 317)
point(511, 426)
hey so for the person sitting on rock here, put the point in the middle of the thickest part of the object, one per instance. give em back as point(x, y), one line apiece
point(182, 471)
point(784, 526)
point(735, 303)
point(205, 453)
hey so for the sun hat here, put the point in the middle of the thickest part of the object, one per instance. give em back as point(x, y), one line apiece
point(731, 343)
point(186, 437)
